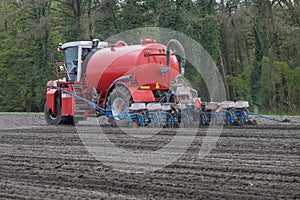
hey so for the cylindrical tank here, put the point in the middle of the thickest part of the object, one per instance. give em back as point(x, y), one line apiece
point(143, 62)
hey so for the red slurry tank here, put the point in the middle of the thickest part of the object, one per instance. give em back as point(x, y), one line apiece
point(143, 62)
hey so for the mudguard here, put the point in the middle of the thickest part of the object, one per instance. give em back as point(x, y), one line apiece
point(139, 95)
point(50, 99)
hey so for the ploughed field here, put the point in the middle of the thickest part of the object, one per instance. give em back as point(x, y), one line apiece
point(43, 162)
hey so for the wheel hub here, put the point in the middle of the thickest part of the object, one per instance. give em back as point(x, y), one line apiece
point(118, 106)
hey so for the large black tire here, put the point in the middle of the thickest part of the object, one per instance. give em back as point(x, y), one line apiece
point(54, 117)
point(119, 99)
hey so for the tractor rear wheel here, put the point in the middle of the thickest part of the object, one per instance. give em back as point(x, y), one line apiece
point(119, 100)
point(54, 117)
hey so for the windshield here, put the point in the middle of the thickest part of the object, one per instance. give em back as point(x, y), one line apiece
point(71, 62)
point(71, 58)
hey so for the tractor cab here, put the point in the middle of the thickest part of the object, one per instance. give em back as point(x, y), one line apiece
point(74, 55)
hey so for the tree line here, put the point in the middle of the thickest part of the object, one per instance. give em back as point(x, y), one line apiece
point(255, 43)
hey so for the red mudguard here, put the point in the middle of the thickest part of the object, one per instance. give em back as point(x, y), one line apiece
point(139, 95)
point(50, 99)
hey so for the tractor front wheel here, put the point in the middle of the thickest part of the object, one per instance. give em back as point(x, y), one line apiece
point(54, 117)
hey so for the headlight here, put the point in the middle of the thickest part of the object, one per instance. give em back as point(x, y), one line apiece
point(49, 84)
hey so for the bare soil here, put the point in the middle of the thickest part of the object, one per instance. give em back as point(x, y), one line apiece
point(252, 162)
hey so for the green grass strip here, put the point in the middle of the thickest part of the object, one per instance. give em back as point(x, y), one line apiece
point(21, 113)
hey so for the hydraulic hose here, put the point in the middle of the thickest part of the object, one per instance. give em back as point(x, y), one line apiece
point(123, 78)
point(182, 62)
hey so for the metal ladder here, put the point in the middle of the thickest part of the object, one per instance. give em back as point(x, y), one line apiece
point(83, 110)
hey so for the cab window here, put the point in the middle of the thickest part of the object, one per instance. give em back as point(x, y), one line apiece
point(71, 62)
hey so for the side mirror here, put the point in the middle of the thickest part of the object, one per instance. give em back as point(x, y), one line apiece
point(60, 68)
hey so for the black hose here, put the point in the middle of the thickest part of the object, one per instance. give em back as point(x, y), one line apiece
point(182, 62)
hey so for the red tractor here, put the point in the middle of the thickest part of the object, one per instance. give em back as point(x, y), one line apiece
point(133, 84)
